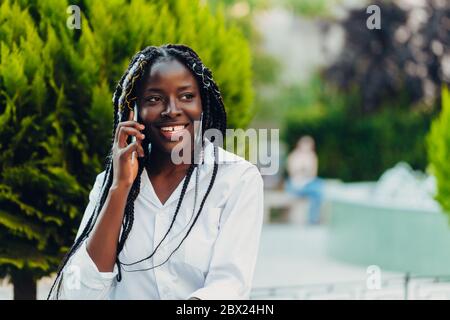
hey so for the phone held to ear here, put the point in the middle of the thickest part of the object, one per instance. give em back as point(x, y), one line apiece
point(133, 138)
point(135, 118)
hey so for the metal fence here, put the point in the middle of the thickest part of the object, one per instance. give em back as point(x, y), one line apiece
point(407, 287)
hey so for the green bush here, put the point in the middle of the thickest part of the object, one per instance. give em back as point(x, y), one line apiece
point(438, 142)
point(353, 146)
point(56, 111)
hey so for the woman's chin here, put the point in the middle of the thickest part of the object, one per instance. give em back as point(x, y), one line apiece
point(175, 149)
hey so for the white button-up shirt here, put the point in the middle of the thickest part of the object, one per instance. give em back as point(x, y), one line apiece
point(216, 260)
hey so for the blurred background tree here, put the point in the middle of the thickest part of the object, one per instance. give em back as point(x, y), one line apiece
point(405, 57)
point(355, 147)
point(370, 104)
point(56, 112)
point(372, 107)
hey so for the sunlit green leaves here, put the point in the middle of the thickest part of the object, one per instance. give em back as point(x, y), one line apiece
point(439, 151)
point(56, 113)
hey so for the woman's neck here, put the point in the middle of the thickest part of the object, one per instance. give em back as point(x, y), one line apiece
point(160, 163)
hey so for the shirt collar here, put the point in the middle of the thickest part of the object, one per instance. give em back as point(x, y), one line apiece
point(205, 170)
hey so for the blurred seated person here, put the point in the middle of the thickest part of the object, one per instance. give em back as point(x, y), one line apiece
point(302, 167)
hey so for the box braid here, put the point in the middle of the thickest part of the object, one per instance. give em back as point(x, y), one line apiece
point(215, 117)
point(106, 184)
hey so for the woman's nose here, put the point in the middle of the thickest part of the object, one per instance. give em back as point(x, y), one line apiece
point(171, 109)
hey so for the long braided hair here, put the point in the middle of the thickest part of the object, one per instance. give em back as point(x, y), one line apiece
point(214, 116)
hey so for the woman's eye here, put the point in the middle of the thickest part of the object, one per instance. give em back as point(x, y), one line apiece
point(153, 99)
point(187, 96)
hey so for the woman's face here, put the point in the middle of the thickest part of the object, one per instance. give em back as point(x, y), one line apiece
point(169, 101)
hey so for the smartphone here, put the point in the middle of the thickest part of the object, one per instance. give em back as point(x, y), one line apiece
point(133, 138)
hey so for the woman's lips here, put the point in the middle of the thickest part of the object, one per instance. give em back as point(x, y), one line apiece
point(173, 133)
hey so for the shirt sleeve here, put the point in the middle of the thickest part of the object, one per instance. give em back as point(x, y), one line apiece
point(81, 278)
point(235, 252)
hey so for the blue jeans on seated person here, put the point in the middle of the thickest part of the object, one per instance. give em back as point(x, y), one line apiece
point(313, 190)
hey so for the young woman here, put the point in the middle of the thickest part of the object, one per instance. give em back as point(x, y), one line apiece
point(156, 228)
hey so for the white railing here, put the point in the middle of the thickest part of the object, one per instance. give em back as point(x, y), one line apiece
point(407, 287)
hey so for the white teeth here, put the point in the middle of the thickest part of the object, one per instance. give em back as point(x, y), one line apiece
point(174, 128)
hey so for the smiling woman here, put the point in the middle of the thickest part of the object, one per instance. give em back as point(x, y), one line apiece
point(149, 230)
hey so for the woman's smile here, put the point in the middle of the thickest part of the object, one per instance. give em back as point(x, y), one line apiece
point(173, 132)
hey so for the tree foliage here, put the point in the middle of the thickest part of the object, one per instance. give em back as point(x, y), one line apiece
point(56, 111)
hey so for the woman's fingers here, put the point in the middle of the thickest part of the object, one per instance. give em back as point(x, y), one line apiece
point(128, 124)
point(133, 147)
point(131, 115)
point(140, 149)
point(123, 134)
